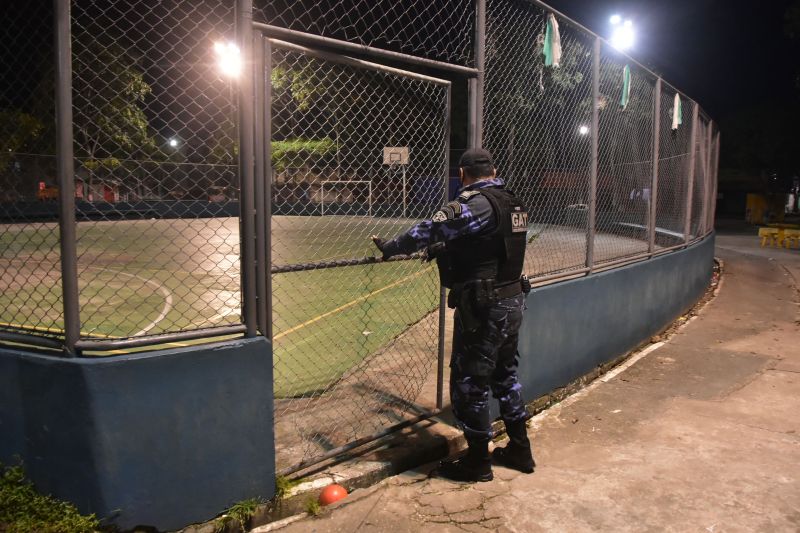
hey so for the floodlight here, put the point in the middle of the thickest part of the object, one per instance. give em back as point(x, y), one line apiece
point(229, 58)
point(623, 36)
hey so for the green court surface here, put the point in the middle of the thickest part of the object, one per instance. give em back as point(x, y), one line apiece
point(154, 276)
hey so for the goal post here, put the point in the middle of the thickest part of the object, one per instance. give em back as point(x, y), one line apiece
point(357, 192)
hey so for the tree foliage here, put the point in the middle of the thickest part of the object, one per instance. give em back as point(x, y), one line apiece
point(18, 131)
point(293, 152)
point(109, 123)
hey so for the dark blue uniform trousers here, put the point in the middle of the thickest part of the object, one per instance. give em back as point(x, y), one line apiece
point(487, 358)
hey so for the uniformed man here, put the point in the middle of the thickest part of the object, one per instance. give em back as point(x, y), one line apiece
point(479, 241)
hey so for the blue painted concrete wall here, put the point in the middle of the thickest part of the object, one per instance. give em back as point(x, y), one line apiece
point(163, 439)
point(572, 327)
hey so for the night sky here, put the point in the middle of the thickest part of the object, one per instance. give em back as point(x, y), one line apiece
point(732, 56)
point(725, 54)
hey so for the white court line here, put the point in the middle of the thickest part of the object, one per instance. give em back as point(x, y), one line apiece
point(164, 292)
point(224, 314)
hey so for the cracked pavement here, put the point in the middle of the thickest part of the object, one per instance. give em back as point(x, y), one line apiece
point(701, 434)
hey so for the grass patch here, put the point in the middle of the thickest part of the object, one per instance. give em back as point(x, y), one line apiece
point(241, 512)
point(23, 510)
point(313, 507)
point(283, 485)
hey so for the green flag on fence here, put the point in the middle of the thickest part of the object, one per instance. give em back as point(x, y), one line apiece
point(552, 43)
point(677, 112)
point(626, 87)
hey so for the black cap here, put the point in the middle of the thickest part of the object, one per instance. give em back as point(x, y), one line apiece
point(475, 157)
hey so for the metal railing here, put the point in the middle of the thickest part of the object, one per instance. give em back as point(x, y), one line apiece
point(176, 174)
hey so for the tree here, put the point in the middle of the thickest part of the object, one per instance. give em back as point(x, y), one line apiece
point(109, 119)
point(18, 131)
point(531, 108)
point(293, 89)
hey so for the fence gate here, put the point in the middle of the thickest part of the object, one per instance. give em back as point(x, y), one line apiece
point(355, 340)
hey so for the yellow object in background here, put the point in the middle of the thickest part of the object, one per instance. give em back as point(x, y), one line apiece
point(780, 237)
point(765, 209)
point(756, 209)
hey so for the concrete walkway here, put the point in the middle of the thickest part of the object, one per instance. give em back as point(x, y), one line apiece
point(701, 434)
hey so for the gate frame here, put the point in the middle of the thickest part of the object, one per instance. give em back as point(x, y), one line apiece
point(261, 132)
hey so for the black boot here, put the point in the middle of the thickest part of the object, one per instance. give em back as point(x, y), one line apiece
point(517, 453)
point(476, 465)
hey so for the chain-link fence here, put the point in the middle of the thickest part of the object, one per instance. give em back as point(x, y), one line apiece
point(154, 140)
point(353, 344)
point(539, 125)
point(434, 30)
point(532, 125)
point(30, 280)
point(625, 167)
point(162, 212)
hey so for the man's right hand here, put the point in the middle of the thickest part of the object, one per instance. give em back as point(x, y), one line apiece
point(433, 251)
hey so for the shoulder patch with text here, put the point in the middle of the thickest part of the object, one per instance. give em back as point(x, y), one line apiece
point(439, 216)
point(519, 220)
point(449, 211)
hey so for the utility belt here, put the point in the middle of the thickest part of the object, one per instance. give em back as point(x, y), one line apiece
point(473, 298)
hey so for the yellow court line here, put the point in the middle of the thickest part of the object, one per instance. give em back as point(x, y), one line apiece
point(348, 304)
point(276, 337)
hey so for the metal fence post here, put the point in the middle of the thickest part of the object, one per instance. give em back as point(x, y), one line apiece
point(713, 213)
point(595, 132)
point(476, 84)
point(266, 148)
point(707, 184)
point(261, 265)
point(651, 239)
point(442, 290)
point(246, 170)
point(66, 180)
point(687, 225)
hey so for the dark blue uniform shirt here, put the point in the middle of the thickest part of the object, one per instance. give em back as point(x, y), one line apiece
point(472, 216)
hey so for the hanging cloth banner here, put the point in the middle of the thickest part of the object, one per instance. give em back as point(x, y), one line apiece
point(626, 87)
point(552, 43)
point(677, 112)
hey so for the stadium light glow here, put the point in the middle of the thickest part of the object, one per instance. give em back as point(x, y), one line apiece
point(623, 37)
point(173, 142)
point(615, 19)
point(229, 59)
point(583, 130)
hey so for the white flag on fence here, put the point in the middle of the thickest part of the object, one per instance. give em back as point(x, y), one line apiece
point(626, 87)
point(552, 43)
point(677, 112)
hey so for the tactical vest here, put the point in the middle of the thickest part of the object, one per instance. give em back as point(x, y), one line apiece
point(500, 253)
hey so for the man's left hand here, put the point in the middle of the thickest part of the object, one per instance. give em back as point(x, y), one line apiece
point(381, 245)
